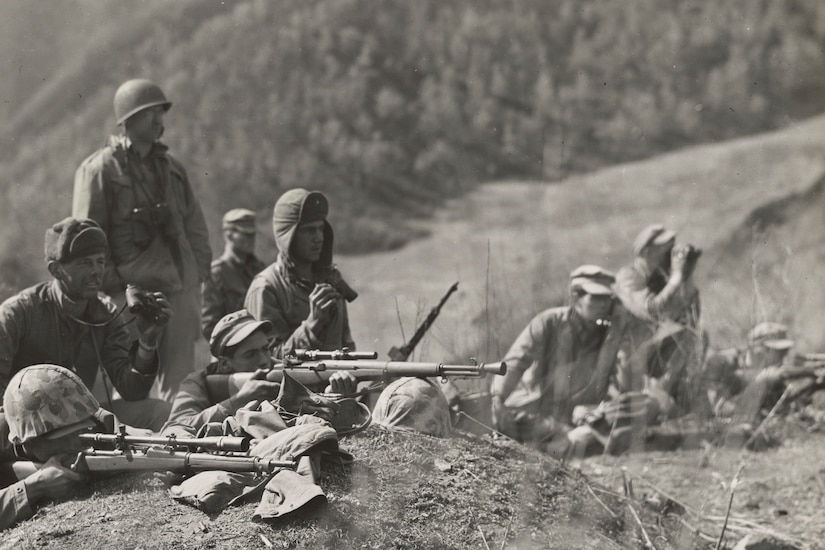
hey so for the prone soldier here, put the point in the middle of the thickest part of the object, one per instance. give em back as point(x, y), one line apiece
point(46, 407)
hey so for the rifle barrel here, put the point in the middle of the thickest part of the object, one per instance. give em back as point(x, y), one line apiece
point(404, 368)
point(216, 443)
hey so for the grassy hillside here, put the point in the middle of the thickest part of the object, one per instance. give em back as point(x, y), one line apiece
point(391, 108)
point(512, 244)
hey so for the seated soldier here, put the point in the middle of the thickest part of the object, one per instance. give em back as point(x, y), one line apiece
point(565, 357)
point(45, 407)
point(240, 344)
point(302, 294)
point(65, 321)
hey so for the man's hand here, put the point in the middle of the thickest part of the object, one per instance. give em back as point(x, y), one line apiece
point(322, 301)
point(151, 321)
point(257, 388)
point(342, 383)
point(679, 260)
point(683, 259)
point(53, 480)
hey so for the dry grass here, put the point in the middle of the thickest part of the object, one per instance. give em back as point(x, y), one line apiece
point(511, 245)
point(405, 490)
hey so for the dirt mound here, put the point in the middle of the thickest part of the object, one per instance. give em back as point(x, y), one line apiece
point(404, 490)
point(773, 260)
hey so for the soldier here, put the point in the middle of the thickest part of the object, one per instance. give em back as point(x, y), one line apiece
point(663, 346)
point(46, 407)
point(240, 344)
point(224, 291)
point(141, 197)
point(302, 293)
point(740, 385)
point(564, 358)
point(64, 321)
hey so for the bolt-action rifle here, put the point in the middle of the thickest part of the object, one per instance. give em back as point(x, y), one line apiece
point(316, 373)
point(113, 453)
point(403, 353)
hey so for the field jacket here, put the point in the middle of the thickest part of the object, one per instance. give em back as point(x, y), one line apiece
point(35, 329)
point(225, 289)
point(550, 370)
point(110, 184)
point(277, 296)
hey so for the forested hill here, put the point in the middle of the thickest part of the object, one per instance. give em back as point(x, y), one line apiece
point(388, 106)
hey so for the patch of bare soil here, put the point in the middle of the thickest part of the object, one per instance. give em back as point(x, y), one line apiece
point(778, 490)
point(405, 490)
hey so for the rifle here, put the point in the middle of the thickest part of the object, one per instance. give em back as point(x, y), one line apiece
point(159, 454)
point(402, 353)
point(317, 373)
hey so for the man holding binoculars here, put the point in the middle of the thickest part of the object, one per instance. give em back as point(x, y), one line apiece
point(141, 197)
point(66, 322)
point(664, 347)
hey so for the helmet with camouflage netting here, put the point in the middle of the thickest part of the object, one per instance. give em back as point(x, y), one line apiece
point(46, 400)
point(137, 94)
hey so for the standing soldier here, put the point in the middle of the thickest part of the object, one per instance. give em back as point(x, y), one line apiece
point(302, 294)
point(141, 197)
point(224, 291)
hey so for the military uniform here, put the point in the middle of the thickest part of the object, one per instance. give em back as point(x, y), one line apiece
point(554, 365)
point(278, 295)
point(35, 328)
point(193, 407)
point(42, 401)
point(663, 341)
point(164, 248)
point(225, 289)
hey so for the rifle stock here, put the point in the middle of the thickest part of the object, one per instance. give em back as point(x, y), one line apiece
point(317, 373)
point(153, 459)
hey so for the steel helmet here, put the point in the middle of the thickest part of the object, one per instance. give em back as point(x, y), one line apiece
point(138, 94)
point(43, 398)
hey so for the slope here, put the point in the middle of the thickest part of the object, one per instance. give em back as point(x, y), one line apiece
point(512, 244)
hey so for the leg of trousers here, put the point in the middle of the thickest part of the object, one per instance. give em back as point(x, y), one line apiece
point(177, 345)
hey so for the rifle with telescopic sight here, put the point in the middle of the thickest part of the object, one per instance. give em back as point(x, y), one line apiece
point(316, 372)
point(114, 453)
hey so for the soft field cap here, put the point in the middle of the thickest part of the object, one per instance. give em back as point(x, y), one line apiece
point(241, 220)
point(592, 279)
point(71, 238)
point(233, 329)
point(655, 234)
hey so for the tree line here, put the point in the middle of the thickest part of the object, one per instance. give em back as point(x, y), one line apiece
point(392, 107)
